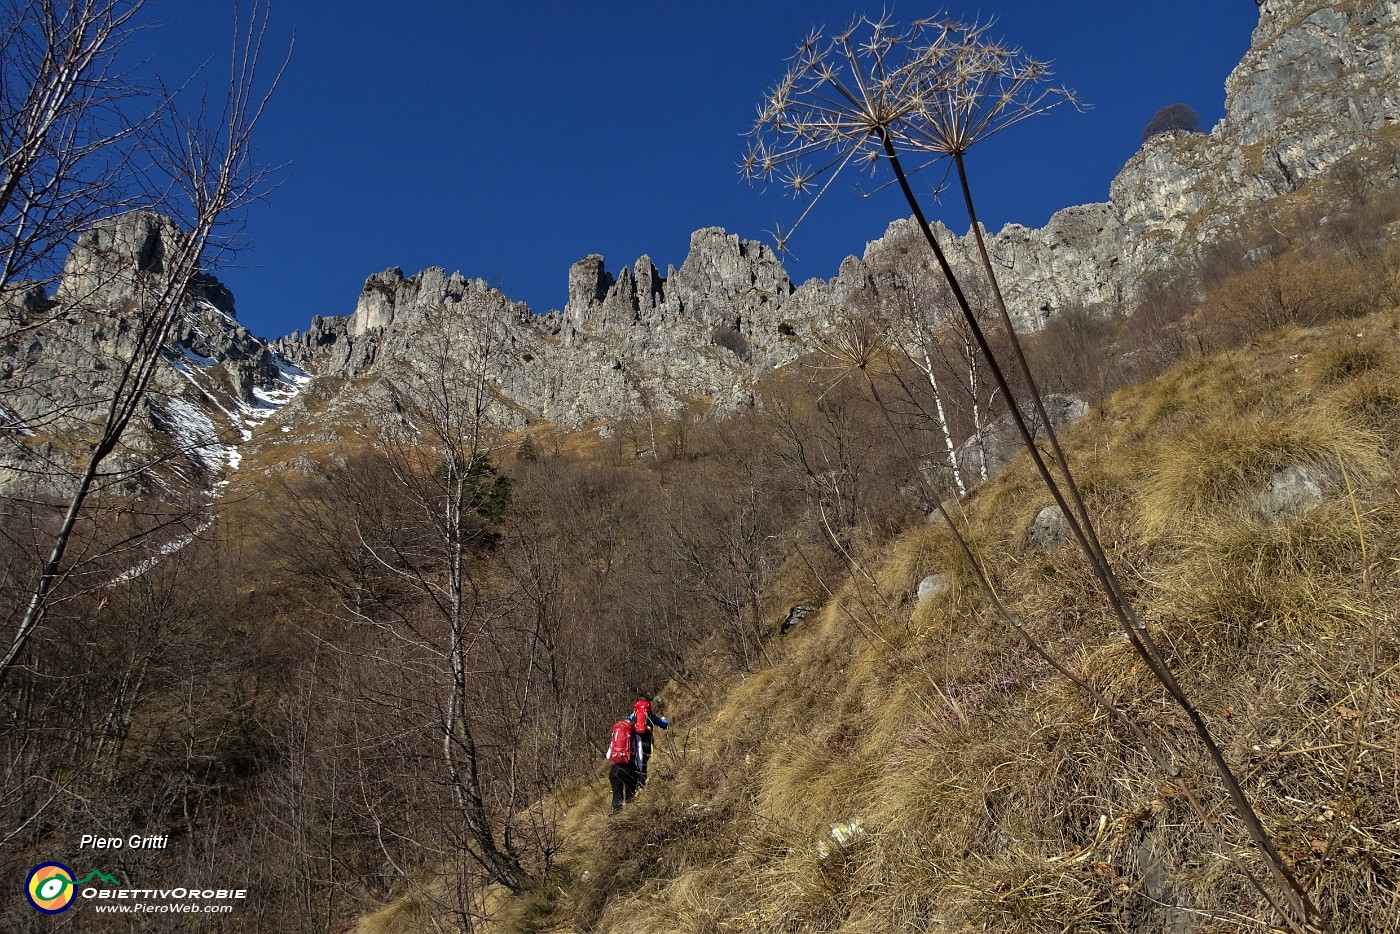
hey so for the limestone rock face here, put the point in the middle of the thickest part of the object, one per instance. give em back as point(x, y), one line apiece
point(1317, 86)
point(623, 346)
point(104, 264)
point(64, 355)
point(635, 341)
point(114, 260)
point(1315, 92)
point(720, 266)
point(375, 309)
point(1341, 55)
point(1076, 258)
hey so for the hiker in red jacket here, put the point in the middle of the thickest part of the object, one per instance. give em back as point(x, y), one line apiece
point(642, 720)
point(622, 756)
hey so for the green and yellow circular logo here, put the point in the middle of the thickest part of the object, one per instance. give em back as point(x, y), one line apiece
point(50, 887)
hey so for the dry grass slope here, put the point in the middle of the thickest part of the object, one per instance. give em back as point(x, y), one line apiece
point(988, 794)
point(911, 767)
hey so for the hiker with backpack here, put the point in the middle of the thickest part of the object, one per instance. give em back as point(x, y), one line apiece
point(622, 756)
point(642, 720)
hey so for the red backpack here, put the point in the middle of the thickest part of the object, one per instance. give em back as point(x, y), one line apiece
point(642, 711)
point(620, 746)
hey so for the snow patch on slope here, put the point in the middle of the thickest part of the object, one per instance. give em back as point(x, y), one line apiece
point(291, 379)
point(242, 416)
point(169, 548)
point(194, 433)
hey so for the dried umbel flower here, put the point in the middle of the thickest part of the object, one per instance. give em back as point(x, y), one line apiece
point(861, 344)
point(932, 88)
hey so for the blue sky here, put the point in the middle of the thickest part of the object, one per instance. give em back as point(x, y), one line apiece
point(508, 140)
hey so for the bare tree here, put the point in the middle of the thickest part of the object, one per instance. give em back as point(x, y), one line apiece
point(421, 511)
point(728, 525)
point(927, 332)
point(1171, 117)
point(201, 164)
point(66, 136)
point(115, 727)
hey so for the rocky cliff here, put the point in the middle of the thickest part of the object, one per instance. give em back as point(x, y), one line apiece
point(1315, 89)
point(64, 355)
point(624, 345)
point(1315, 93)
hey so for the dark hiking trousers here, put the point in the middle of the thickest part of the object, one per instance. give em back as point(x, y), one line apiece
point(642, 753)
point(623, 779)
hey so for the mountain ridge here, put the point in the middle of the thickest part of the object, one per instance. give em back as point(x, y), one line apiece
point(1179, 195)
point(637, 343)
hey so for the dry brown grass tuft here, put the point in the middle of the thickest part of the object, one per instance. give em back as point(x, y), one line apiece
point(1372, 401)
point(1143, 412)
point(1228, 462)
point(1239, 576)
point(698, 902)
point(409, 914)
point(1348, 360)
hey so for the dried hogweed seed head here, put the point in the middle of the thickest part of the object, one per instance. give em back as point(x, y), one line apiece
point(934, 87)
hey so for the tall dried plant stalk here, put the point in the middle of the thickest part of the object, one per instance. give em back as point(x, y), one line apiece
point(877, 92)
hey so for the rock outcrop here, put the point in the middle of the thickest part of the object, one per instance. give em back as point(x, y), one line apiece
point(623, 346)
point(1315, 89)
point(67, 353)
point(115, 260)
point(1314, 94)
